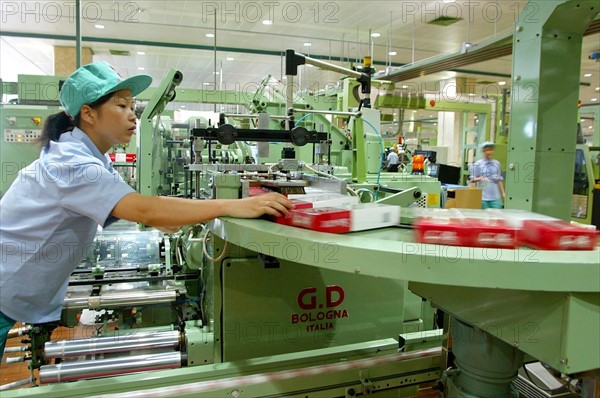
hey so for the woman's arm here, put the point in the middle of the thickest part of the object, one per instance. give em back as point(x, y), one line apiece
point(160, 211)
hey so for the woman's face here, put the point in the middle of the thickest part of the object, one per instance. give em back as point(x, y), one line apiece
point(114, 122)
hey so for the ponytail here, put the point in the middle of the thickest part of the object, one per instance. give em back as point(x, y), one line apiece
point(54, 126)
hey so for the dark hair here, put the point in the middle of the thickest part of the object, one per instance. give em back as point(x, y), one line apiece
point(60, 122)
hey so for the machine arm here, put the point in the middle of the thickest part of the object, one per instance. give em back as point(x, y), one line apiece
point(293, 60)
point(226, 134)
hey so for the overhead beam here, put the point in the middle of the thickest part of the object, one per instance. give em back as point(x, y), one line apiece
point(485, 51)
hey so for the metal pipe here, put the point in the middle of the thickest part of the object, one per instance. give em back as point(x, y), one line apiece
point(121, 299)
point(10, 360)
point(78, 370)
point(289, 99)
point(12, 350)
point(339, 113)
point(78, 33)
point(331, 67)
point(15, 384)
point(245, 115)
point(112, 344)
point(18, 332)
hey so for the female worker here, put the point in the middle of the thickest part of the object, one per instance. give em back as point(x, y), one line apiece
point(51, 212)
point(487, 174)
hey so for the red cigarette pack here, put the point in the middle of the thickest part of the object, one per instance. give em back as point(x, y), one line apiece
point(492, 233)
point(324, 219)
point(298, 205)
point(557, 235)
point(443, 231)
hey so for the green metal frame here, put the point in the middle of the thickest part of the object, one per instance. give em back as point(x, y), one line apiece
point(148, 167)
point(546, 70)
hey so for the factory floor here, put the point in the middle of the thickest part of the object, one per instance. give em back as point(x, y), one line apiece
point(10, 373)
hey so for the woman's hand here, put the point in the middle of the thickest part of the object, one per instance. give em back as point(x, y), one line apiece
point(272, 204)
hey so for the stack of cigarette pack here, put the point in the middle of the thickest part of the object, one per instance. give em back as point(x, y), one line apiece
point(501, 229)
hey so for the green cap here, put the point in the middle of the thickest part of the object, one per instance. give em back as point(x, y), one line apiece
point(488, 144)
point(91, 82)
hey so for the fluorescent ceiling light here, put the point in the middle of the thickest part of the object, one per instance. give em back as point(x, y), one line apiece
point(141, 53)
point(502, 83)
point(267, 22)
point(207, 83)
point(594, 99)
point(230, 59)
point(141, 68)
point(405, 86)
point(307, 44)
point(375, 34)
point(471, 95)
point(210, 35)
point(98, 26)
point(587, 75)
point(449, 1)
point(392, 53)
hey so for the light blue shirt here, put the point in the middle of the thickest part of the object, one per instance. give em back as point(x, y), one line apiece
point(491, 170)
point(48, 219)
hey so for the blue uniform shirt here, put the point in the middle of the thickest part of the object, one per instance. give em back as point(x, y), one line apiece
point(48, 219)
point(491, 170)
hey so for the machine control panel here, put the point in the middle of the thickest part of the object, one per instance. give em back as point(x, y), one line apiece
point(21, 135)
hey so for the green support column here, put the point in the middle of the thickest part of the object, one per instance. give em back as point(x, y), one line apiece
point(543, 129)
point(359, 155)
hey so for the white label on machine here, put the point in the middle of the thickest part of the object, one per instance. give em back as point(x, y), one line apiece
point(21, 135)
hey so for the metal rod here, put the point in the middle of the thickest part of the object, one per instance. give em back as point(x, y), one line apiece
point(12, 350)
point(18, 332)
point(327, 66)
point(112, 344)
point(15, 384)
point(371, 45)
point(215, 57)
point(78, 370)
point(121, 299)
point(78, 33)
point(338, 113)
point(289, 99)
point(246, 115)
point(15, 360)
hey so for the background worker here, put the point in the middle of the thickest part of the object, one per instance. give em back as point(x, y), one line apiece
point(392, 161)
point(487, 175)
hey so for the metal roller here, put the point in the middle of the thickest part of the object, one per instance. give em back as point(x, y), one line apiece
point(111, 344)
point(121, 299)
point(18, 332)
point(78, 370)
